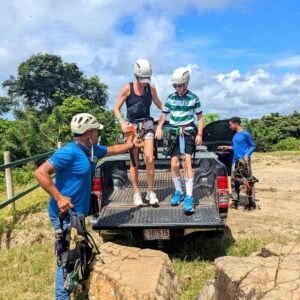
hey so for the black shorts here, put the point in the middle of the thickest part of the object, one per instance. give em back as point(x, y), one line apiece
point(190, 145)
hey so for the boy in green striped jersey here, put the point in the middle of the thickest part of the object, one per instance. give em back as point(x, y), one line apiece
point(182, 105)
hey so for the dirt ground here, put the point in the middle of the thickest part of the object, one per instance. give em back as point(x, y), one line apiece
point(278, 198)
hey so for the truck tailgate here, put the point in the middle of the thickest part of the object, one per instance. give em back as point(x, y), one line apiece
point(163, 217)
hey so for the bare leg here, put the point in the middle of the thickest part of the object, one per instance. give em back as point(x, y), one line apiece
point(148, 157)
point(175, 166)
point(134, 176)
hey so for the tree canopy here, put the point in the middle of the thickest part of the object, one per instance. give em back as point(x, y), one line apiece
point(44, 81)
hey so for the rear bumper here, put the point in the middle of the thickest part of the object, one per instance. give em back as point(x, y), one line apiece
point(148, 217)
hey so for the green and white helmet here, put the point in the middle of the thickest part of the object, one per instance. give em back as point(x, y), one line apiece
point(180, 76)
point(82, 122)
point(143, 70)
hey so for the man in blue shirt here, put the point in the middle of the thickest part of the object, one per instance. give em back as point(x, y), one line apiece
point(74, 166)
point(242, 146)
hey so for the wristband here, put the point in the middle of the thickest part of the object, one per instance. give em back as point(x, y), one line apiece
point(119, 118)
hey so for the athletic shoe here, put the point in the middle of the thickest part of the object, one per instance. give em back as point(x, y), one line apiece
point(188, 204)
point(137, 199)
point(151, 197)
point(177, 198)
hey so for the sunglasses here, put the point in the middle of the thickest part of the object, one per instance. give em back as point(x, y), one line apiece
point(175, 86)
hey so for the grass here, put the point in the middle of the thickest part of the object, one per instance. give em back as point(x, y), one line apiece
point(27, 272)
point(193, 258)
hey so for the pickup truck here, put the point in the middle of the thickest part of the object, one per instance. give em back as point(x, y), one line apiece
point(117, 214)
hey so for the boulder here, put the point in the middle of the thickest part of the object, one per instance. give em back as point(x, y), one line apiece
point(271, 274)
point(122, 272)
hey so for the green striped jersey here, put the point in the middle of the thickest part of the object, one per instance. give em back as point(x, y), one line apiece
point(182, 108)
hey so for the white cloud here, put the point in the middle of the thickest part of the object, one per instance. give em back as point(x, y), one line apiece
point(292, 61)
point(87, 32)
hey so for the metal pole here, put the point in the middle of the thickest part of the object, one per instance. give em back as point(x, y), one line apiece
point(59, 145)
point(8, 179)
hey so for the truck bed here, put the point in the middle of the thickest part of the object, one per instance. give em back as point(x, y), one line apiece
point(119, 211)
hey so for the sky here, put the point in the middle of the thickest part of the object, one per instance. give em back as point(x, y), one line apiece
point(244, 55)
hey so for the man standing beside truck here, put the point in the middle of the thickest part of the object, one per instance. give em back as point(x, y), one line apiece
point(74, 166)
point(243, 146)
point(182, 105)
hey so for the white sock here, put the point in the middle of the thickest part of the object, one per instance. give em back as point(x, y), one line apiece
point(189, 185)
point(177, 183)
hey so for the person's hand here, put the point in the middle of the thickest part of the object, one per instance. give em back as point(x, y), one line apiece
point(64, 204)
point(159, 133)
point(125, 127)
point(222, 148)
point(137, 142)
point(198, 139)
point(246, 157)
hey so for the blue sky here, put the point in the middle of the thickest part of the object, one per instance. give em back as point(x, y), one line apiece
point(244, 55)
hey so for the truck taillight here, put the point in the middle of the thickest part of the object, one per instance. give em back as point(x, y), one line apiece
point(222, 182)
point(223, 194)
point(97, 185)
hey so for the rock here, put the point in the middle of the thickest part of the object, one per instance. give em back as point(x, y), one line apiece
point(208, 292)
point(122, 272)
point(274, 273)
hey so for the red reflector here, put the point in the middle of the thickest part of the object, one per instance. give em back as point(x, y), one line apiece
point(222, 182)
point(97, 185)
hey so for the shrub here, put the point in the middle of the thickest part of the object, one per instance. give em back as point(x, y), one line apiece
point(288, 144)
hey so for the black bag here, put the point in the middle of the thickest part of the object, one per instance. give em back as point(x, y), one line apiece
point(79, 253)
point(137, 111)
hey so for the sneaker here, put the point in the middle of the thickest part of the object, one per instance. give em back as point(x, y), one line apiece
point(188, 204)
point(137, 199)
point(177, 198)
point(151, 197)
point(234, 204)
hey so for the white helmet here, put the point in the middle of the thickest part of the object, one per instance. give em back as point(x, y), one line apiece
point(82, 122)
point(143, 69)
point(180, 76)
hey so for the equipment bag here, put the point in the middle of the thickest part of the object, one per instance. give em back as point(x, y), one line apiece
point(77, 253)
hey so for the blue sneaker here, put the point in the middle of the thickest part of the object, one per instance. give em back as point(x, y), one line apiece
point(177, 198)
point(188, 204)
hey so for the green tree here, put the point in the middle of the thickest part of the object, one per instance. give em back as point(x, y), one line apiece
point(44, 80)
point(209, 118)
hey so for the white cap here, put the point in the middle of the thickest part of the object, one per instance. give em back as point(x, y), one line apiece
point(82, 122)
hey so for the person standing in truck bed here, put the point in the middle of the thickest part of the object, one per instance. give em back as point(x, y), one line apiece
point(182, 105)
point(138, 96)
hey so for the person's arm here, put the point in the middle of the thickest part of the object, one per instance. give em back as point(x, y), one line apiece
point(252, 145)
point(200, 129)
point(161, 121)
point(122, 148)
point(124, 93)
point(155, 98)
point(43, 176)
point(225, 147)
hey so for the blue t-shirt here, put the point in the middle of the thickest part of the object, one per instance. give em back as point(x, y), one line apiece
point(73, 176)
point(242, 144)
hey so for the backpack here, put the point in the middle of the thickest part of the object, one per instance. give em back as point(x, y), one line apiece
point(76, 251)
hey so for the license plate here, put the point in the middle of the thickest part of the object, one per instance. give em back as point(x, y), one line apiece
point(156, 234)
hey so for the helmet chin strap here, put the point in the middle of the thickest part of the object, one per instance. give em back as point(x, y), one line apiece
point(92, 148)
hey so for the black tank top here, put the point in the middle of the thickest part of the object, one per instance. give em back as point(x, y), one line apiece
point(138, 107)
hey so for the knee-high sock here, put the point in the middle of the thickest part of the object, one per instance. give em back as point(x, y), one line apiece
point(177, 183)
point(189, 185)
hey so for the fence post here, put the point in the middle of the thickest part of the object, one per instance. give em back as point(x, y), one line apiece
point(59, 145)
point(8, 179)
